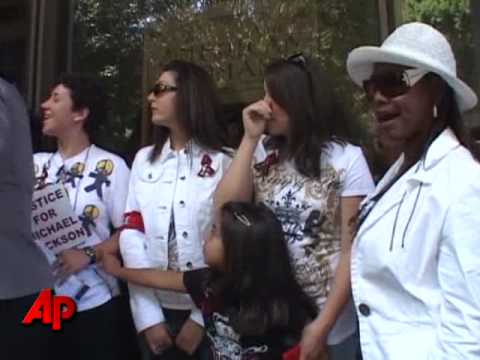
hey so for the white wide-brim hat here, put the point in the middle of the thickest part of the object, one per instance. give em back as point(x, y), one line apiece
point(415, 45)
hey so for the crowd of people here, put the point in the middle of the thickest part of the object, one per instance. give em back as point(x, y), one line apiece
point(282, 248)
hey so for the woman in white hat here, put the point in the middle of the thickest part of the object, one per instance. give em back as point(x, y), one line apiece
point(416, 256)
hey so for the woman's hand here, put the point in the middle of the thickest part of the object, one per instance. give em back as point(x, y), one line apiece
point(111, 264)
point(255, 117)
point(70, 262)
point(190, 336)
point(313, 343)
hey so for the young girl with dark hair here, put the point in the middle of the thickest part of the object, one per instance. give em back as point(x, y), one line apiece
point(313, 179)
point(170, 203)
point(253, 307)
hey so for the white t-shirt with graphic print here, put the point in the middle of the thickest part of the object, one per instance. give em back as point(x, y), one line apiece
point(97, 183)
point(309, 210)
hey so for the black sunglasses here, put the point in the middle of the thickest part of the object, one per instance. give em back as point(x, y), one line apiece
point(393, 83)
point(160, 88)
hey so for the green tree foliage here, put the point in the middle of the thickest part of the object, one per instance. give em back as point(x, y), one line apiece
point(455, 19)
point(108, 42)
point(234, 39)
point(451, 17)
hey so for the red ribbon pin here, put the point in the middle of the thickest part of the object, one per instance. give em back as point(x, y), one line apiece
point(206, 169)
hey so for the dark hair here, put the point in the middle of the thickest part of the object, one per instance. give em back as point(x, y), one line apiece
point(197, 106)
point(258, 286)
point(316, 116)
point(450, 113)
point(87, 92)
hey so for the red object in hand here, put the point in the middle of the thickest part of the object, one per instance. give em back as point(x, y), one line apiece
point(292, 354)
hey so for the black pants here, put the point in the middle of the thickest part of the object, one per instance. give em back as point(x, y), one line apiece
point(19, 342)
point(104, 333)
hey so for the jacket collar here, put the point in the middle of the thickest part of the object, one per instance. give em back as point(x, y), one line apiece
point(168, 152)
point(421, 172)
point(441, 147)
point(443, 144)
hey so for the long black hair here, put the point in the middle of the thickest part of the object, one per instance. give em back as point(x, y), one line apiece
point(450, 113)
point(316, 116)
point(258, 284)
point(198, 108)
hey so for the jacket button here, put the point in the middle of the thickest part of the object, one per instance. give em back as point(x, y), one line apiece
point(182, 177)
point(189, 265)
point(182, 203)
point(185, 234)
point(364, 309)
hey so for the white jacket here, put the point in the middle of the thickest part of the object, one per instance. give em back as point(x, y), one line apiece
point(416, 261)
point(171, 183)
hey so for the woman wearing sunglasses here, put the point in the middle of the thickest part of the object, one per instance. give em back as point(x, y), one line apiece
point(415, 259)
point(313, 179)
point(170, 204)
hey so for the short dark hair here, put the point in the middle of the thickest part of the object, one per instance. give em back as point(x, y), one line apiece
point(87, 92)
point(198, 106)
point(259, 285)
point(304, 90)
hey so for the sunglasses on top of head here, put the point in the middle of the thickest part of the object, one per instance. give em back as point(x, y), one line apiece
point(393, 83)
point(160, 88)
point(298, 59)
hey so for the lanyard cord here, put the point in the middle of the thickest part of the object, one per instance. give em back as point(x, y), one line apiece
point(367, 208)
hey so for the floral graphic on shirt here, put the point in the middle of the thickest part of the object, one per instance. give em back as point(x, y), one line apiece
point(308, 209)
point(225, 343)
point(89, 215)
point(288, 211)
point(103, 170)
point(314, 274)
point(314, 223)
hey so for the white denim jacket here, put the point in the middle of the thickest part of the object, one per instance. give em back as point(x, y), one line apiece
point(416, 260)
point(177, 181)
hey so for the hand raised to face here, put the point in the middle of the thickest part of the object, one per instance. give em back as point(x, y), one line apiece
point(255, 117)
